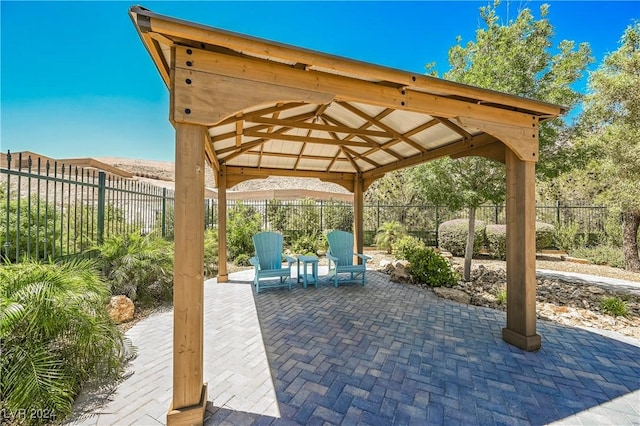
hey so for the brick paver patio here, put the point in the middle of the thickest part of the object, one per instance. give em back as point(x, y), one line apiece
point(381, 354)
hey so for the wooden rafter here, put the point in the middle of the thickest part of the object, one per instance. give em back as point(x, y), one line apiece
point(320, 127)
point(303, 139)
point(260, 112)
point(459, 130)
point(381, 125)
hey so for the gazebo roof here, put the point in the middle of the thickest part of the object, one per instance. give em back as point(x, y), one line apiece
point(304, 113)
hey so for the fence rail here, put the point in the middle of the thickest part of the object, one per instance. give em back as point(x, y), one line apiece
point(52, 210)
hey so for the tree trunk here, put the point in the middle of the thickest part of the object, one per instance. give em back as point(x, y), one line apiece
point(630, 225)
point(468, 253)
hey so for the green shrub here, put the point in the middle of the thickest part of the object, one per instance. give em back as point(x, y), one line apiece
point(601, 255)
point(427, 266)
point(497, 241)
point(36, 230)
point(337, 215)
point(406, 245)
point(388, 234)
point(139, 267)
point(305, 244)
point(614, 306)
point(56, 334)
point(545, 233)
point(568, 237)
point(242, 260)
point(277, 213)
point(452, 236)
point(244, 222)
point(501, 297)
point(211, 253)
point(305, 218)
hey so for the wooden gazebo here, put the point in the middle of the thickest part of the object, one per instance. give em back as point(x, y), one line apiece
point(253, 108)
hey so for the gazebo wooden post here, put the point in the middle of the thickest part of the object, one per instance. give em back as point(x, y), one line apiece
point(521, 254)
point(223, 275)
point(358, 213)
point(189, 392)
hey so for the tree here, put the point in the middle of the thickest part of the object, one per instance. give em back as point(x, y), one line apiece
point(515, 58)
point(610, 128)
point(468, 183)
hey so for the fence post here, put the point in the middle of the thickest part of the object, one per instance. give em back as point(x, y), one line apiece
point(102, 179)
point(321, 225)
point(557, 213)
point(378, 217)
point(495, 209)
point(164, 212)
point(437, 224)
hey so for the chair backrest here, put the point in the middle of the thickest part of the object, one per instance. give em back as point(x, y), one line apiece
point(268, 247)
point(341, 246)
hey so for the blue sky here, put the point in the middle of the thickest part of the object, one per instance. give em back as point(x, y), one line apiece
point(77, 82)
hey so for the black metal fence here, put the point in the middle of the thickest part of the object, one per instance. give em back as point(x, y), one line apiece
point(53, 210)
point(50, 210)
point(303, 217)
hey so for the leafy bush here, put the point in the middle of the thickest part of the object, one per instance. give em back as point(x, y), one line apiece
point(211, 253)
point(452, 236)
point(244, 223)
point(601, 255)
point(545, 233)
point(277, 213)
point(497, 241)
point(388, 234)
point(305, 219)
point(614, 306)
point(55, 335)
point(406, 245)
point(427, 266)
point(568, 237)
point(306, 244)
point(140, 267)
point(337, 215)
point(242, 260)
point(36, 229)
point(501, 297)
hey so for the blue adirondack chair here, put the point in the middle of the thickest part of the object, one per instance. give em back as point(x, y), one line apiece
point(268, 261)
point(340, 257)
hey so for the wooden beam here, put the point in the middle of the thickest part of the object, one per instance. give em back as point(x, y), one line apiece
point(260, 112)
point(265, 172)
point(320, 127)
point(377, 123)
point(188, 282)
point(228, 135)
point(521, 254)
point(220, 78)
point(303, 139)
point(358, 214)
point(238, 42)
point(521, 139)
point(459, 130)
point(451, 149)
point(223, 276)
point(494, 151)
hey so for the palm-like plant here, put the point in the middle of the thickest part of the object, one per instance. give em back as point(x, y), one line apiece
point(55, 334)
point(388, 234)
point(138, 266)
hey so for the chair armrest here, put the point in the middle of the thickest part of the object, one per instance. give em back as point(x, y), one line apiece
point(289, 260)
point(255, 262)
point(363, 257)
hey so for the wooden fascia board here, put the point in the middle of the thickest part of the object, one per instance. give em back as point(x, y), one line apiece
point(172, 27)
point(447, 150)
point(232, 70)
